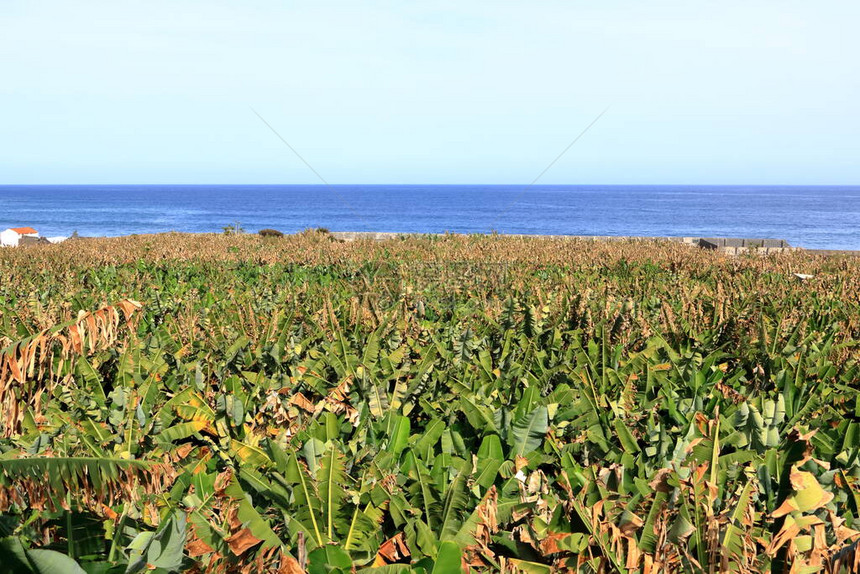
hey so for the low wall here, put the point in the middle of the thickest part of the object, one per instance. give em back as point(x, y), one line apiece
point(728, 245)
point(384, 236)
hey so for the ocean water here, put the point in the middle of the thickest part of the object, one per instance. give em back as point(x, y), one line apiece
point(824, 217)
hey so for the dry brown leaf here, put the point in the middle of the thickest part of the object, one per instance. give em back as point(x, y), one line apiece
point(222, 481)
point(302, 402)
point(392, 550)
point(660, 481)
point(549, 544)
point(808, 494)
point(631, 524)
point(196, 547)
point(242, 541)
point(109, 512)
point(289, 565)
point(520, 462)
point(181, 452)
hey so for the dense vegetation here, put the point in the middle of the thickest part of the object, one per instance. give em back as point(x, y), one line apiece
point(242, 404)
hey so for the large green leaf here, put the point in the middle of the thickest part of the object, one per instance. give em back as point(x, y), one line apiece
point(454, 507)
point(160, 549)
point(66, 475)
point(13, 556)
point(448, 560)
point(51, 562)
point(306, 497)
point(330, 479)
point(328, 558)
point(529, 431)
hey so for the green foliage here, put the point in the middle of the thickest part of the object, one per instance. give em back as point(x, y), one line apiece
point(234, 228)
point(418, 405)
point(161, 550)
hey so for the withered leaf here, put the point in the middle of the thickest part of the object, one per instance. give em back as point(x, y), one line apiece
point(242, 541)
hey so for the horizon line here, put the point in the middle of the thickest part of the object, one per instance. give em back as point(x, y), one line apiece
point(434, 184)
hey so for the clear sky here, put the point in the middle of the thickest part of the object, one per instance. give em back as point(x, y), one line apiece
point(158, 91)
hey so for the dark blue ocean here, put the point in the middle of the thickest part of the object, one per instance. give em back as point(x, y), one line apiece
point(825, 217)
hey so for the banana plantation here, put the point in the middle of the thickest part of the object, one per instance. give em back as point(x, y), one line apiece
point(238, 404)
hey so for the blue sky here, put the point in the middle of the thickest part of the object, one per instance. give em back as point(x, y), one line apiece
point(161, 91)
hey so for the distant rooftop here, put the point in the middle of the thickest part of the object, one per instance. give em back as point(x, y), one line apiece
point(24, 230)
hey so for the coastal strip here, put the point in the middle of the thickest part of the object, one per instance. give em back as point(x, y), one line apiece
point(729, 245)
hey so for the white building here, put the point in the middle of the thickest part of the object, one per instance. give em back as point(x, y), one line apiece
point(11, 236)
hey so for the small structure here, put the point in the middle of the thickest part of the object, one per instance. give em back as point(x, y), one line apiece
point(737, 245)
point(27, 240)
point(12, 236)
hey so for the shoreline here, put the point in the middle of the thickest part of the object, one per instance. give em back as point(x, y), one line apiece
point(731, 245)
point(726, 245)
